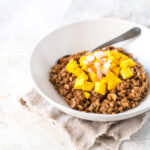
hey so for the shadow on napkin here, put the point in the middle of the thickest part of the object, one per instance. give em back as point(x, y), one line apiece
point(85, 134)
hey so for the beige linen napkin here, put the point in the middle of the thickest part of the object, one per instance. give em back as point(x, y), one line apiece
point(83, 133)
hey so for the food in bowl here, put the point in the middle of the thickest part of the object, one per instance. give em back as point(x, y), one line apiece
point(107, 81)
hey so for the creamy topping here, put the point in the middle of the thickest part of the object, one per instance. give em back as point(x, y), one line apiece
point(90, 58)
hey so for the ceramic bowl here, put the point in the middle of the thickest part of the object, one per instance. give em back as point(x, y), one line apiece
point(86, 35)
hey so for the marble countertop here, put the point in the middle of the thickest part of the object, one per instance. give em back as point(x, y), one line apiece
point(22, 24)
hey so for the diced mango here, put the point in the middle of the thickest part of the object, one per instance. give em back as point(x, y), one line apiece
point(79, 83)
point(100, 87)
point(123, 57)
point(85, 67)
point(113, 60)
point(81, 60)
point(111, 85)
point(94, 77)
point(77, 72)
point(112, 65)
point(118, 80)
point(126, 73)
point(87, 95)
point(131, 62)
point(84, 76)
point(116, 54)
point(118, 61)
point(93, 68)
point(127, 63)
point(108, 53)
point(88, 86)
point(103, 80)
point(111, 77)
point(116, 70)
point(71, 66)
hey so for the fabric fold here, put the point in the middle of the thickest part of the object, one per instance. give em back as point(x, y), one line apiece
point(85, 134)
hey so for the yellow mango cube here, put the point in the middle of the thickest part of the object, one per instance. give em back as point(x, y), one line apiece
point(117, 62)
point(112, 65)
point(111, 77)
point(94, 77)
point(123, 57)
point(113, 60)
point(84, 67)
point(111, 85)
point(79, 83)
point(84, 76)
point(83, 58)
point(103, 80)
point(126, 73)
point(71, 66)
point(100, 87)
point(131, 62)
point(116, 70)
point(87, 95)
point(93, 68)
point(116, 54)
point(88, 86)
point(127, 63)
point(108, 53)
point(118, 81)
point(77, 72)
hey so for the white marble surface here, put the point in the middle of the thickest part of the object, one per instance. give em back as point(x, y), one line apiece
point(22, 24)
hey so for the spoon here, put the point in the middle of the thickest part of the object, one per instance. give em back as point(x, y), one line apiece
point(125, 36)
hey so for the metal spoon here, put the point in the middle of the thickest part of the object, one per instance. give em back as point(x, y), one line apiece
point(125, 36)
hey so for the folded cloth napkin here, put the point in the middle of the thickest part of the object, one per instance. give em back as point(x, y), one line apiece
point(85, 134)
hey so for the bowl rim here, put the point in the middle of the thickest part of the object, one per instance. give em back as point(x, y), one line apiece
point(124, 115)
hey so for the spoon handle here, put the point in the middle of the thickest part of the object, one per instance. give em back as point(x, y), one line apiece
point(125, 36)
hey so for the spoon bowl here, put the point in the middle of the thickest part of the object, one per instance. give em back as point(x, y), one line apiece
point(86, 35)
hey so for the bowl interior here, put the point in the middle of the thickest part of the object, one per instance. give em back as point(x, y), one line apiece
point(80, 36)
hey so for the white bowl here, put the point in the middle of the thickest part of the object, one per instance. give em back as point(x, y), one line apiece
point(86, 35)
